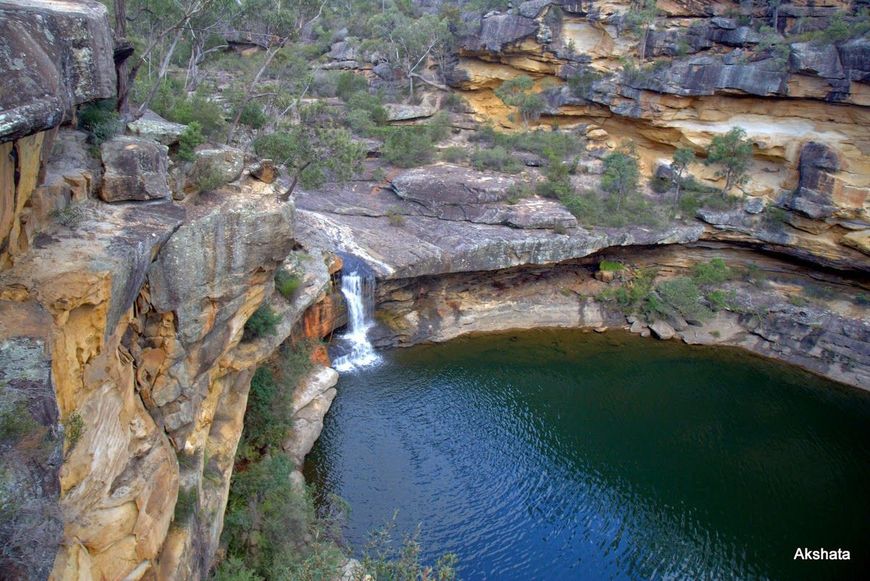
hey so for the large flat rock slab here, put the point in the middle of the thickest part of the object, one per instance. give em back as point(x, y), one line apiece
point(55, 54)
point(443, 219)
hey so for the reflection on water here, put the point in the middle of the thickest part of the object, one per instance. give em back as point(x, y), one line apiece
point(561, 455)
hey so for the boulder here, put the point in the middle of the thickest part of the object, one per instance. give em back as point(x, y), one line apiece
point(344, 50)
point(813, 197)
point(815, 59)
point(706, 75)
point(858, 240)
point(402, 112)
point(498, 30)
point(855, 58)
point(153, 126)
point(55, 55)
point(662, 330)
point(134, 169)
point(222, 164)
point(384, 71)
point(445, 186)
point(265, 171)
point(754, 205)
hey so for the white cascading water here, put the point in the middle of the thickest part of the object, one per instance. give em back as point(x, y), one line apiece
point(358, 288)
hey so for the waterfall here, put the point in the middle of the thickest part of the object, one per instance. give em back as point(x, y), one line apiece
point(358, 288)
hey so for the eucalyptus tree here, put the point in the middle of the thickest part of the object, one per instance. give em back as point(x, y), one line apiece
point(313, 150)
point(158, 27)
point(519, 92)
point(407, 41)
point(683, 158)
point(732, 152)
point(284, 21)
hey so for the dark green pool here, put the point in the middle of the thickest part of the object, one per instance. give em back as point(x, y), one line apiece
point(562, 455)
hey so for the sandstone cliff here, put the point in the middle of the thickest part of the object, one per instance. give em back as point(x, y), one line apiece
point(125, 291)
point(121, 324)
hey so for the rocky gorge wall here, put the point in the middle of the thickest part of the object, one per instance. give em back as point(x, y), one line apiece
point(694, 72)
point(124, 291)
point(826, 332)
point(124, 364)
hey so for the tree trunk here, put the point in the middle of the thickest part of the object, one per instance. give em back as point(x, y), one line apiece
point(286, 195)
point(677, 187)
point(249, 91)
point(161, 73)
point(123, 87)
point(641, 49)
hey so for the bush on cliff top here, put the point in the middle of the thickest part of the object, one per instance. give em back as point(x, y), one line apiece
point(100, 121)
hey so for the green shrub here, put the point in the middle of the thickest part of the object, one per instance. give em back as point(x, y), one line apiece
point(384, 558)
point(455, 103)
point(408, 146)
point(70, 216)
point(234, 569)
point(581, 82)
point(325, 83)
point(635, 293)
point(681, 296)
point(365, 113)
point(610, 266)
point(253, 116)
point(100, 121)
point(712, 272)
point(495, 159)
point(720, 300)
point(395, 218)
point(15, 419)
point(74, 429)
point(454, 154)
point(439, 127)
point(268, 522)
point(287, 284)
point(188, 141)
point(267, 418)
point(208, 178)
point(774, 216)
point(798, 301)
point(591, 209)
point(263, 322)
point(517, 192)
point(621, 175)
point(551, 145)
point(185, 506)
point(197, 107)
point(349, 84)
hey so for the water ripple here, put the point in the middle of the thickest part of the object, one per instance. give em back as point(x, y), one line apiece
point(556, 455)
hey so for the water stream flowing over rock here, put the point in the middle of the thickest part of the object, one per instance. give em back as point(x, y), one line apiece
point(358, 288)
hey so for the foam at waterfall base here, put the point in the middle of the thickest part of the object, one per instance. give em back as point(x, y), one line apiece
point(358, 288)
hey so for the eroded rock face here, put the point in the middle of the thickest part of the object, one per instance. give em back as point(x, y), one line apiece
point(205, 283)
point(453, 219)
point(54, 56)
point(814, 196)
point(75, 292)
point(135, 169)
point(827, 336)
point(703, 74)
